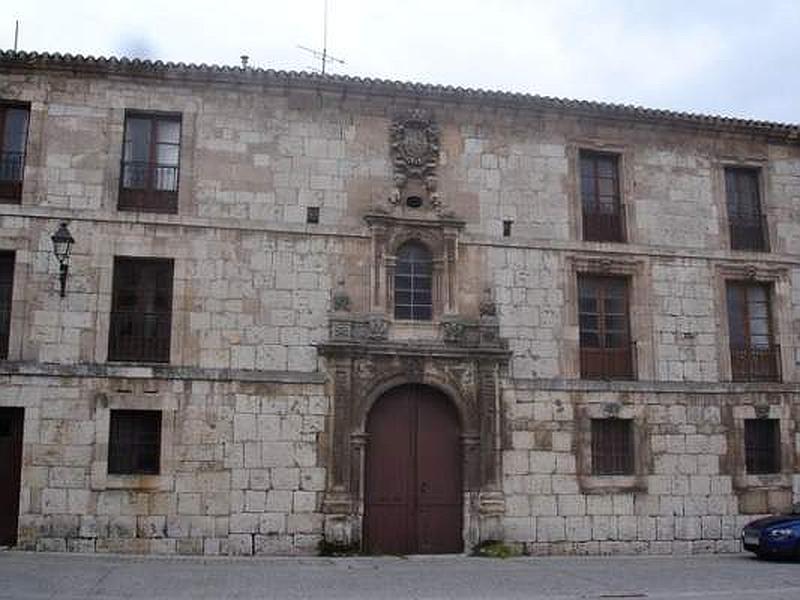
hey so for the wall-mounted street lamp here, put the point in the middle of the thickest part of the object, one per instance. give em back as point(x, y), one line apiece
point(62, 246)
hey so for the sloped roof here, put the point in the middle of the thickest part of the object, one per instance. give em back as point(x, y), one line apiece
point(156, 68)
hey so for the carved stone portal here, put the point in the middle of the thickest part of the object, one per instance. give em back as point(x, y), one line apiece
point(363, 369)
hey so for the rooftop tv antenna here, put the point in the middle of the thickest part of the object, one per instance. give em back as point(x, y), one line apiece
point(323, 56)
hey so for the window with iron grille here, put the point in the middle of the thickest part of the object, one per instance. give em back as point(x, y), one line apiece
point(6, 289)
point(605, 344)
point(754, 356)
point(134, 442)
point(746, 222)
point(413, 283)
point(600, 197)
point(141, 310)
point(150, 163)
point(13, 140)
point(612, 447)
point(762, 446)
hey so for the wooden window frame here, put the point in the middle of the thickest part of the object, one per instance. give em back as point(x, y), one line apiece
point(7, 260)
point(762, 446)
point(598, 226)
point(128, 452)
point(11, 189)
point(416, 306)
point(140, 348)
point(603, 361)
point(752, 363)
point(149, 198)
point(613, 447)
point(750, 232)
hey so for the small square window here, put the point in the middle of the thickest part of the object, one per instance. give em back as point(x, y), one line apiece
point(612, 447)
point(312, 215)
point(507, 227)
point(134, 444)
point(762, 443)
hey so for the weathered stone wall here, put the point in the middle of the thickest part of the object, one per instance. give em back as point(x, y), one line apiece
point(241, 471)
point(247, 409)
point(691, 498)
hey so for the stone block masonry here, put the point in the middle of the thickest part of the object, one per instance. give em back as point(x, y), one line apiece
point(282, 332)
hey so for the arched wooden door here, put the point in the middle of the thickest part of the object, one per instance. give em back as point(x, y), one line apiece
point(413, 489)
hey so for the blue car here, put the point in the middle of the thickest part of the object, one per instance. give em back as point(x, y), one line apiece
point(777, 536)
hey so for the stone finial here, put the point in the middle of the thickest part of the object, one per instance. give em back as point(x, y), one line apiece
point(341, 300)
point(487, 307)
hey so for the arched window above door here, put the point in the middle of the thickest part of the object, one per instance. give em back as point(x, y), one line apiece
point(413, 283)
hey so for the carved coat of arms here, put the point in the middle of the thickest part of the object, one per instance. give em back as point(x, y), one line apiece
point(415, 149)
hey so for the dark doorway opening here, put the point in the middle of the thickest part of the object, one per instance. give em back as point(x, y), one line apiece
point(11, 421)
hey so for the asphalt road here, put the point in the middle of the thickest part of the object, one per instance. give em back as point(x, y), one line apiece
point(26, 576)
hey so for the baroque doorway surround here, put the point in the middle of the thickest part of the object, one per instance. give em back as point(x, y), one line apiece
point(457, 356)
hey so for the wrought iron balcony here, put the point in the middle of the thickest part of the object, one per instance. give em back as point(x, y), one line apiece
point(756, 364)
point(150, 187)
point(608, 363)
point(748, 232)
point(139, 336)
point(12, 165)
point(604, 226)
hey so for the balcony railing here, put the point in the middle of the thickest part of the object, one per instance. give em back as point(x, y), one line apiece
point(608, 363)
point(139, 336)
point(150, 187)
point(756, 364)
point(748, 232)
point(604, 226)
point(12, 165)
point(5, 327)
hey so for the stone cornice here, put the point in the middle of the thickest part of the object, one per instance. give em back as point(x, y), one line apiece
point(140, 371)
point(11, 61)
point(720, 388)
point(415, 349)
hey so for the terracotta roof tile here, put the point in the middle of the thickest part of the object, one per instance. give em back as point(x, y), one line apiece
point(138, 67)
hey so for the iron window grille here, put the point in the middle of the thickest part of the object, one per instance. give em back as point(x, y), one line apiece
point(612, 447)
point(6, 291)
point(602, 210)
point(606, 350)
point(134, 444)
point(141, 310)
point(150, 163)
point(762, 443)
point(746, 223)
point(13, 141)
point(413, 279)
point(754, 355)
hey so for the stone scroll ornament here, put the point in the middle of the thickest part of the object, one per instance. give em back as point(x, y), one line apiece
point(414, 140)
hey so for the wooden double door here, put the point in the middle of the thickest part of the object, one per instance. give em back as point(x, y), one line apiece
point(11, 421)
point(413, 478)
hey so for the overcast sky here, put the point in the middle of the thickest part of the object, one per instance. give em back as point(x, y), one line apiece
point(729, 57)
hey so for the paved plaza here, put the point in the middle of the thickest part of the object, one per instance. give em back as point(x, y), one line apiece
point(26, 576)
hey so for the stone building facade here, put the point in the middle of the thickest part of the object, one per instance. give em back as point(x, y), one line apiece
point(389, 317)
